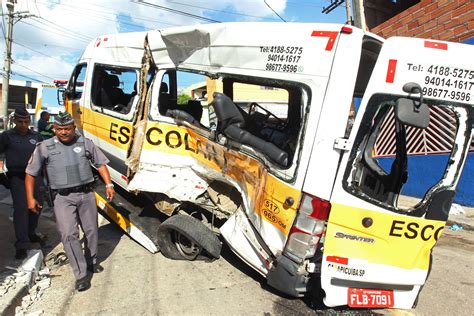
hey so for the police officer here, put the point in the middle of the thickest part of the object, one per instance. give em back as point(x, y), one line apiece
point(18, 144)
point(67, 158)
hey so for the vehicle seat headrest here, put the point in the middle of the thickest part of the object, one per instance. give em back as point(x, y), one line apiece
point(226, 111)
point(164, 87)
point(112, 81)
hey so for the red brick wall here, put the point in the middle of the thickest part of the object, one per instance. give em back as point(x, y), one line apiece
point(448, 20)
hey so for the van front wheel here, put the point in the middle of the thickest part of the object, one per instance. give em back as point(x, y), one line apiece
point(183, 237)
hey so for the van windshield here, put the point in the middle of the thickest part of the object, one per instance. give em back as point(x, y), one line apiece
point(401, 167)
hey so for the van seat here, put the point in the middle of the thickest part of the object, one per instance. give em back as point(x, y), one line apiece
point(231, 123)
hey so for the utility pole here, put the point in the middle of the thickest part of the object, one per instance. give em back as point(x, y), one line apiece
point(359, 15)
point(6, 66)
point(8, 57)
point(349, 13)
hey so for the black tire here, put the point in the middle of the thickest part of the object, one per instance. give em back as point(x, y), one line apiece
point(183, 237)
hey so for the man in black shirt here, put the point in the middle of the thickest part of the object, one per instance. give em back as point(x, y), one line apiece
point(18, 144)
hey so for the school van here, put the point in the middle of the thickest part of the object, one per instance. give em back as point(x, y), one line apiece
point(268, 155)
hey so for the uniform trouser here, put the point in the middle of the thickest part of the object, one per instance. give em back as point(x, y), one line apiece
point(24, 221)
point(71, 211)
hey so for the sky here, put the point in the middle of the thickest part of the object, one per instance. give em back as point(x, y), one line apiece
point(49, 39)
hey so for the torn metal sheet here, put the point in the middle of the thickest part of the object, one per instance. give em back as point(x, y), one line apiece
point(141, 114)
point(182, 45)
point(179, 183)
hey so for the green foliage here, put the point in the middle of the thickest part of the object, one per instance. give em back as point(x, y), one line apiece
point(183, 98)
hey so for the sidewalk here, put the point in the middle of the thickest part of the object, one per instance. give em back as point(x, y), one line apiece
point(17, 277)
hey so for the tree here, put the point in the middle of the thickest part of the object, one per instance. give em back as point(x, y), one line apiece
point(183, 98)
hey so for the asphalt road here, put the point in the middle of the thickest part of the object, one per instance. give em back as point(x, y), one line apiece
point(140, 283)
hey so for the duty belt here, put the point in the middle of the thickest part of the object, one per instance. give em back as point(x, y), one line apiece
point(84, 188)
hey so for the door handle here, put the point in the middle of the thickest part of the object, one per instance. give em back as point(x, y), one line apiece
point(79, 112)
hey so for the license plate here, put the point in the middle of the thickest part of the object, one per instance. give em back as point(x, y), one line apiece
point(369, 298)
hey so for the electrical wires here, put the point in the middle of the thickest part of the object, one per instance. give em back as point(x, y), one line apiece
point(198, 17)
point(274, 11)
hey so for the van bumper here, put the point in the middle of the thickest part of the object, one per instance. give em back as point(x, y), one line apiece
point(289, 277)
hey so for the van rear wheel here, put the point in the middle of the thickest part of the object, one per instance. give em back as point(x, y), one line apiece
point(186, 247)
point(182, 237)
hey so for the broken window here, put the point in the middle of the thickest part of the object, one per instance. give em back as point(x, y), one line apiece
point(386, 162)
point(271, 112)
point(182, 95)
point(114, 89)
point(267, 116)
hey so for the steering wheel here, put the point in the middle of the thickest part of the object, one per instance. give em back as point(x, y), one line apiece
point(253, 109)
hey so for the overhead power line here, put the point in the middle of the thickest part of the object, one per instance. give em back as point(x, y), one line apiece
point(105, 14)
point(50, 24)
point(32, 70)
point(52, 45)
point(37, 51)
point(27, 77)
point(55, 32)
point(221, 11)
point(334, 4)
point(274, 11)
point(199, 17)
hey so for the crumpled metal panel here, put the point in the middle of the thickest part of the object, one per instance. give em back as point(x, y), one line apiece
point(179, 183)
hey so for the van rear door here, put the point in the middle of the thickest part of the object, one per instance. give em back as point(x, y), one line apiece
point(385, 216)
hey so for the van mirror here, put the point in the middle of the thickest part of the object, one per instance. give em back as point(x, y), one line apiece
point(61, 95)
point(412, 113)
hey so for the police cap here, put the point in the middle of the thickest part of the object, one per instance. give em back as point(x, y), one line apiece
point(63, 118)
point(21, 113)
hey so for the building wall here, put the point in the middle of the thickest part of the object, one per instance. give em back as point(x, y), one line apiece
point(447, 20)
point(246, 92)
point(425, 171)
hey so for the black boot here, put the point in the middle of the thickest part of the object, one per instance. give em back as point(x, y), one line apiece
point(83, 284)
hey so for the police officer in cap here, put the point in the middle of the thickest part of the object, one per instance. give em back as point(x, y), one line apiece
point(18, 144)
point(67, 159)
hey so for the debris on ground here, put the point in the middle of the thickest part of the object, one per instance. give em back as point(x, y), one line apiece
point(456, 227)
point(42, 282)
point(456, 209)
point(7, 285)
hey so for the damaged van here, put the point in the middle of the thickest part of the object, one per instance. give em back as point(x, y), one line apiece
point(268, 155)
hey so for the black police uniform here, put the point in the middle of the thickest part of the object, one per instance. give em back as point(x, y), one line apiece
point(18, 149)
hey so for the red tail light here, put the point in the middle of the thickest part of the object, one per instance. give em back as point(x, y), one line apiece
point(346, 29)
point(308, 227)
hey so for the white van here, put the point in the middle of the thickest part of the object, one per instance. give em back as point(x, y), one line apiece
point(309, 198)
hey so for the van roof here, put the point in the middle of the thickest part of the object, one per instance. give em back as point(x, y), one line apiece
point(293, 47)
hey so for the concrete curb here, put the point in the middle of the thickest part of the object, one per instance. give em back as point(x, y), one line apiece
point(30, 266)
point(13, 300)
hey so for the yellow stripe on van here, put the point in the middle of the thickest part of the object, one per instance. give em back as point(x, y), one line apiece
point(112, 213)
point(392, 239)
point(265, 193)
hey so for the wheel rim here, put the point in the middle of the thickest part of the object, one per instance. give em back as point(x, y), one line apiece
point(186, 247)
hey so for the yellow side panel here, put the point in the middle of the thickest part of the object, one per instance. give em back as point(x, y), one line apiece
point(265, 193)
